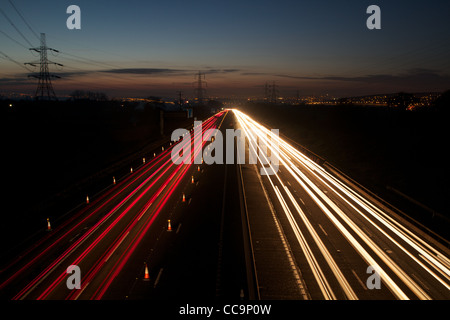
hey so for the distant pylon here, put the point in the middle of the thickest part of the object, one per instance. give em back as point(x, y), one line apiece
point(266, 92)
point(44, 89)
point(200, 90)
point(274, 93)
point(180, 99)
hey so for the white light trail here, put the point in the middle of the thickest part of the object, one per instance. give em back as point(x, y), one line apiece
point(434, 262)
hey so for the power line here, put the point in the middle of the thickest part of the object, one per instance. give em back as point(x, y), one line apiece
point(11, 38)
point(87, 60)
point(14, 61)
point(7, 18)
point(29, 27)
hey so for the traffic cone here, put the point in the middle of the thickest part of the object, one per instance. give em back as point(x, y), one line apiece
point(192, 180)
point(49, 228)
point(143, 160)
point(198, 168)
point(87, 199)
point(146, 275)
point(131, 170)
point(169, 226)
point(114, 180)
point(154, 154)
point(184, 198)
point(162, 148)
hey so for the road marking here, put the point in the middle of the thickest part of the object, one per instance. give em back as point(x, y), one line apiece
point(367, 232)
point(157, 278)
point(81, 291)
point(123, 238)
point(143, 211)
point(296, 272)
point(178, 229)
point(320, 226)
point(75, 237)
point(418, 280)
point(359, 280)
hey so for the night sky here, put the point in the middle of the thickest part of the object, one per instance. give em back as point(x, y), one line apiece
point(141, 48)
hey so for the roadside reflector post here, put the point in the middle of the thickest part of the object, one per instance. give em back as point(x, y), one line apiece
point(49, 228)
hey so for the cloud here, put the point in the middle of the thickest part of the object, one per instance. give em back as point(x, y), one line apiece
point(255, 74)
point(211, 71)
point(166, 71)
point(145, 71)
point(17, 81)
point(412, 77)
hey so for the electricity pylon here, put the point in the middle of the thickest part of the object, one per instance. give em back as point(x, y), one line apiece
point(274, 93)
point(200, 91)
point(44, 89)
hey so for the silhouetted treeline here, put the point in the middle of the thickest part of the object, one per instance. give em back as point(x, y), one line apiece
point(442, 104)
point(402, 100)
point(88, 95)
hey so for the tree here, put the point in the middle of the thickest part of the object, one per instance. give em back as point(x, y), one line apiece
point(88, 95)
point(442, 104)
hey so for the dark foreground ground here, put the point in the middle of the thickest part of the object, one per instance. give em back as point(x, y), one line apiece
point(54, 154)
point(386, 150)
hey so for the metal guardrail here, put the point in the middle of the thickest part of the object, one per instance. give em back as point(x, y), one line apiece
point(252, 279)
point(430, 233)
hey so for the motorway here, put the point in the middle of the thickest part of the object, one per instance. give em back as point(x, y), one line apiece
point(220, 231)
point(337, 240)
point(125, 229)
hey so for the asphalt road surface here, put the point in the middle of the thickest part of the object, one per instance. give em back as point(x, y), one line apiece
point(272, 225)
